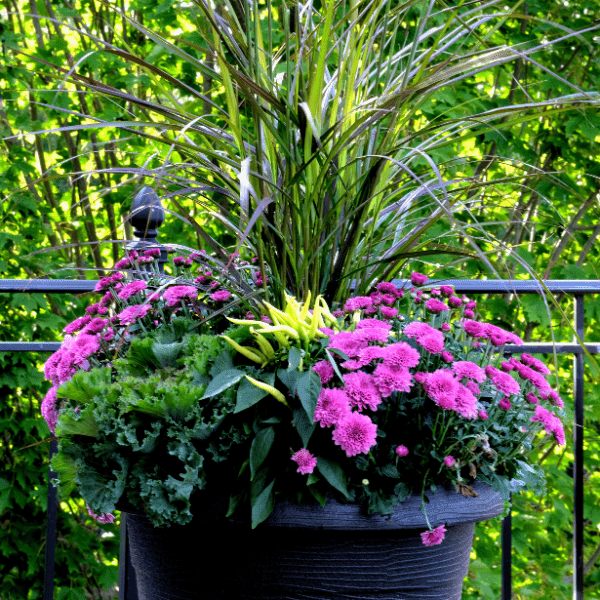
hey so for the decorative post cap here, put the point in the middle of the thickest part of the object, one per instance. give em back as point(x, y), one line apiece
point(147, 215)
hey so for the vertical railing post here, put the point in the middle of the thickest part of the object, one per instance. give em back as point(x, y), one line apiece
point(506, 593)
point(51, 522)
point(147, 215)
point(578, 366)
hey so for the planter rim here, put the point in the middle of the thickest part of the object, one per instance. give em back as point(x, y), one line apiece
point(445, 507)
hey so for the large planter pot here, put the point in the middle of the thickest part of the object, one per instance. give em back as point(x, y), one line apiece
point(307, 552)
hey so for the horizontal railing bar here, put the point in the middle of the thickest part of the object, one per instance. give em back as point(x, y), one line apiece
point(559, 348)
point(482, 286)
point(29, 346)
point(479, 286)
point(44, 286)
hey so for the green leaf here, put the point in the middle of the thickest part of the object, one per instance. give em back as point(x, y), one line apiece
point(289, 378)
point(86, 385)
point(82, 423)
point(535, 309)
point(261, 445)
point(333, 473)
point(223, 381)
point(304, 426)
point(309, 388)
point(248, 395)
point(263, 504)
point(294, 358)
point(319, 496)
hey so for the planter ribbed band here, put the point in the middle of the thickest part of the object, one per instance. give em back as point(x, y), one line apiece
point(306, 552)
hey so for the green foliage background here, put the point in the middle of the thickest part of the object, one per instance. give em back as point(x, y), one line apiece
point(550, 224)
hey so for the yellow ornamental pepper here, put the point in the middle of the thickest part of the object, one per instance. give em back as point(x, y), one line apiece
point(280, 317)
point(265, 347)
point(316, 319)
point(305, 307)
point(251, 353)
point(282, 328)
point(268, 388)
point(326, 313)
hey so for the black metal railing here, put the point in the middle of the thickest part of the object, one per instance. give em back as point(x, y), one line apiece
point(148, 216)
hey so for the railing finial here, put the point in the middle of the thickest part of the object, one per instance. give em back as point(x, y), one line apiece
point(147, 215)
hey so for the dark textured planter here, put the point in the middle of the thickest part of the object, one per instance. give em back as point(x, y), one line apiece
point(306, 552)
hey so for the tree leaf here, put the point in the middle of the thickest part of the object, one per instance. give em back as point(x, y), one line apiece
point(304, 426)
point(333, 473)
point(261, 445)
point(309, 389)
point(248, 395)
point(263, 505)
point(222, 381)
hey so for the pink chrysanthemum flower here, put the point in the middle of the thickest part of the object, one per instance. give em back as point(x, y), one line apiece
point(362, 391)
point(482, 415)
point(349, 342)
point(95, 326)
point(555, 399)
point(445, 327)
point(103, 284)
point(221, 296)
point(49, 408)
point(418, 278)
point(375, 298)
point(466, 403)
point(324, 369)
point(131, 313)
point(123, 263)
point(474, 328)
point(532, 398)
point(420, 377)
point(472, 387)
point(503, 381)
point(469, 313)
point(505, 404)
point(447, 290)
point(392, 379)
point(442, 388)
point(468, 369)
point(103, 518)
point(535, 364)
point(449, 461)
point(332, 406)
point(388, 312)
point(373, 334)
point(455, 301)
point(305, 460)
point(538, 380)
point(367, 355)
point(373, 324)
point(401, 355)
point(551, 423)
point(417, 329)
point(132, 288)
point(386, 287)
point(447, 357)
point(355, 434)
point(435, 306)
point(434, 537)
point(357, 303)
point(77, 324)
point(401, 451)
point(176, 293)
point(433, 343)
